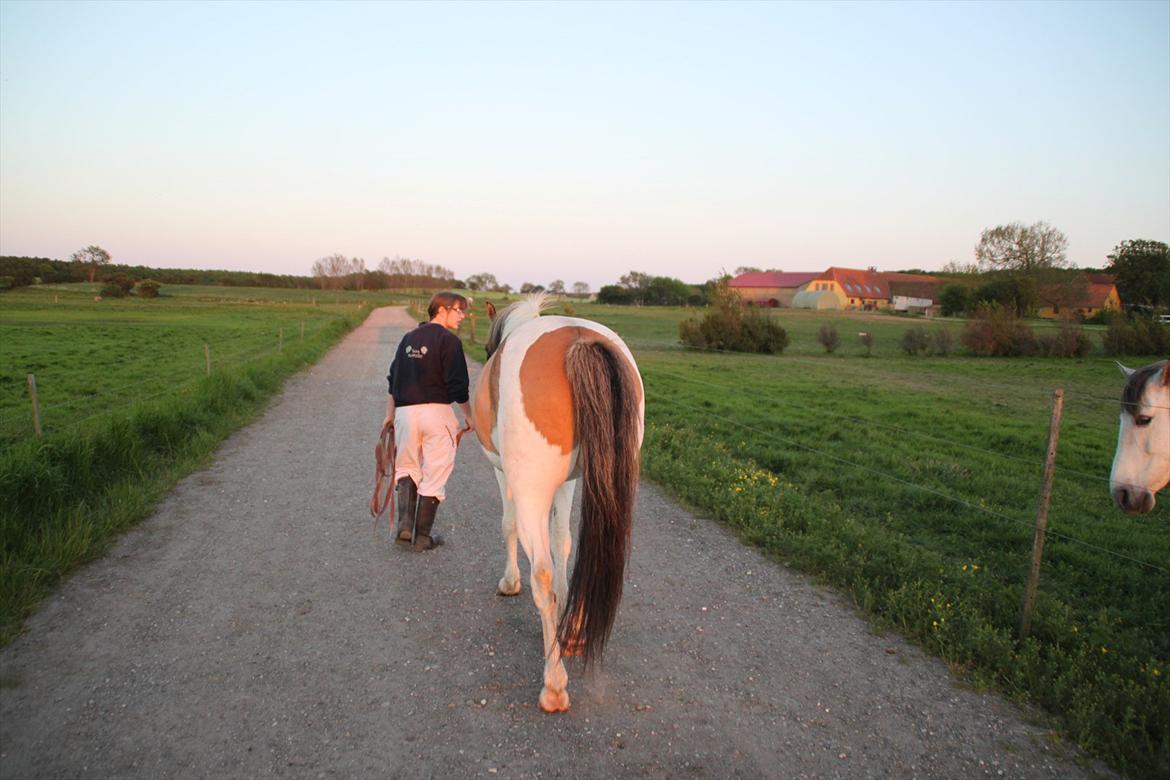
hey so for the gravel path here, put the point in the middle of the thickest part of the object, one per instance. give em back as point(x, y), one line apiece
point(256, 626)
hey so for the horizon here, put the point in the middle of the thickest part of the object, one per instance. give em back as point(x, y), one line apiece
point(579, 141)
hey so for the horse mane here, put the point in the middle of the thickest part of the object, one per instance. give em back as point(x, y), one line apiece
point(1135, 387)
point(512, 317)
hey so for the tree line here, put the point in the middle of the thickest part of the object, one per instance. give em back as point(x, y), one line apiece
point(25, 271)
point(1020, 268)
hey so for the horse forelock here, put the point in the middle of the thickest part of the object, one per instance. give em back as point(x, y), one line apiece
point(1135, 387)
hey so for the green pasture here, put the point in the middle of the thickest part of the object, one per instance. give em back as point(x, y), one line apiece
point(128, 407)
point(910, 483)
point(913, 484)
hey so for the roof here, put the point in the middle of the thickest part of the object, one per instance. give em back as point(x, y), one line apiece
point(1100, 285)
point(859, 284)
point(916, 289)
point(1093, 295)
point(773, 279)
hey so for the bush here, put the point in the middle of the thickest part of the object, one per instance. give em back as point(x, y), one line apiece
point(914, 340)
point(148, 288)
point(1069, 341)
point(995, 331)
point(941, 342)
point(954, 299)
point(1142, 336)
point(117, 286)
point(729, 326)
point(828, 338)
point(867, 342)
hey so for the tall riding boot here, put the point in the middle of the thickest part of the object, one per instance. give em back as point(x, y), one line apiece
point(406, 494)
point(423, 538)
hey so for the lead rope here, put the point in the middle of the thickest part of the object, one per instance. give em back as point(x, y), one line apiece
point(383, 472)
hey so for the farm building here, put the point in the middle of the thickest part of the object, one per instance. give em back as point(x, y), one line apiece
point(915, 293)
point(845, 288)
point(1096, 293)
point(771, 288)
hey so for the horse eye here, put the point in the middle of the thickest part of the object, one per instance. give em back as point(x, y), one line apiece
point(1143, 420)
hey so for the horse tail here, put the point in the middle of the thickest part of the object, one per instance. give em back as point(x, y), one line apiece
point(606, 400)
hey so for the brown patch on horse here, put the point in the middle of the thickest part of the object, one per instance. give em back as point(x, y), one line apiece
point(487, 402)
point(544, 385)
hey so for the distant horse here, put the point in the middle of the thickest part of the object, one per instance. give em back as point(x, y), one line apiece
point(1141, 466)
point(561, 399)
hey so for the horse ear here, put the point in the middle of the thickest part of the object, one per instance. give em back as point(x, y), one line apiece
point(491, 308)
point(1124, 370)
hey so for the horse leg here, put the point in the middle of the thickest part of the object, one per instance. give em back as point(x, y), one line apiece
point(562, 545)
point(533, 528)
point(509, 584)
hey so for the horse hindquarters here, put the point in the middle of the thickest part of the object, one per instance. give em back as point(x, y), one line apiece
point(607, 404)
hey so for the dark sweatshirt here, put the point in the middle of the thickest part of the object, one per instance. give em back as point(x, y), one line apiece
point(429, 368)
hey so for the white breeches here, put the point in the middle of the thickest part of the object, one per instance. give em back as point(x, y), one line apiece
point(425, 437)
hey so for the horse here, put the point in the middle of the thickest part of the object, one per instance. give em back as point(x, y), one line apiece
point(560, 400)
point(1141, 466)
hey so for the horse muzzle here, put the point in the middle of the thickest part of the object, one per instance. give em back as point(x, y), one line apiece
point(1133, 500)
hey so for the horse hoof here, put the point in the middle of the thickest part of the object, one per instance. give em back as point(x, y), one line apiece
point(554, 702)
point(504, 589)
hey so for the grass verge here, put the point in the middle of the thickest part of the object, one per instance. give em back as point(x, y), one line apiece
point(68, 496)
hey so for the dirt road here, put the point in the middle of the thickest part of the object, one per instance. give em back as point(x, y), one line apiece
point(256, 626)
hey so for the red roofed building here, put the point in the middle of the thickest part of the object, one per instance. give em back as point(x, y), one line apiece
point(845, 288)
point(770, 288)
point(1083, 297)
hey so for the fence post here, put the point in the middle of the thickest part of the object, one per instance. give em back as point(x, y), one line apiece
point(1042, 515)
point(32, 392)
point(207, 358)
point(471, 316)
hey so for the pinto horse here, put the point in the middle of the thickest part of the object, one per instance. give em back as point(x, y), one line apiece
point(560, 399)
point(1141, 466)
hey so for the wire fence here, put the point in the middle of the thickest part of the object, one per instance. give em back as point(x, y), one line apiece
point(23, 421)
point(723, 392)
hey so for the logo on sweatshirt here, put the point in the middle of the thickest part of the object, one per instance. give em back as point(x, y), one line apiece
point(417, 354)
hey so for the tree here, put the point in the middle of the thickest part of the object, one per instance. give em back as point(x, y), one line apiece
point(331, 271)
point(634, 280)
point(556, 287)
point(955, 298)
point(1022, 248)
point(580, 289)
point(746, 269)
point(1142, 271)
point(485, 282)
point(93, 256)
point(528, 288)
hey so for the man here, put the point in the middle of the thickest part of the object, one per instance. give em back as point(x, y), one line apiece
point(429, 373)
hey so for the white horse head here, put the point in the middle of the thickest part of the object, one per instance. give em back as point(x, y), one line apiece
point(1141, 466)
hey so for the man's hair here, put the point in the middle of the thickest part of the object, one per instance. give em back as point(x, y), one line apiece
point(445, 298)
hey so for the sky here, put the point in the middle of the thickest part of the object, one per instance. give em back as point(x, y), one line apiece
point(579, 141)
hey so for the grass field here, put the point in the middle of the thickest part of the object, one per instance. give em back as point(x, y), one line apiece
point(128, 406)
point(913, 484)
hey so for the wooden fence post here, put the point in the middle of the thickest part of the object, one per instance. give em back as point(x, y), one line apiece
point(207, 358)
point(471, 316)
point(1042, 516)
point(36, 409)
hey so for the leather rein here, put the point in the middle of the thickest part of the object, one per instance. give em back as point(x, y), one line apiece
point(383, 497)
